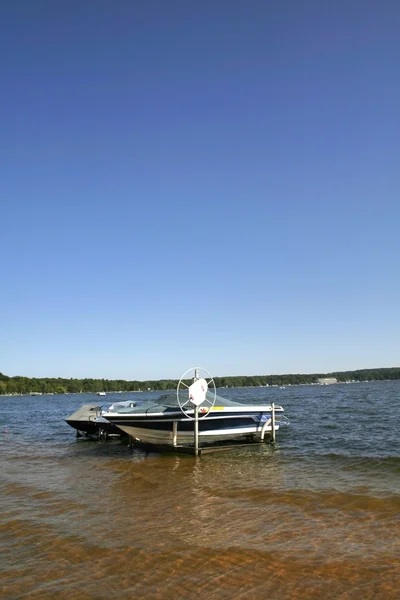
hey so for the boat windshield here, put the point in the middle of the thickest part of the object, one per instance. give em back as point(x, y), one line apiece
point(170, 401)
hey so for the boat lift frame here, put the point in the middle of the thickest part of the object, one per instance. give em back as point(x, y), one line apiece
point(198, 450)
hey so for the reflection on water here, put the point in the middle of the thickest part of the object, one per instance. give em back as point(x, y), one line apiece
point(316, 516)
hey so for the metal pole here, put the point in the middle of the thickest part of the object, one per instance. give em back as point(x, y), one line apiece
point(196, 420)
point(196, 430)
point(273, 422)
point(263, 428)
point(174, 432)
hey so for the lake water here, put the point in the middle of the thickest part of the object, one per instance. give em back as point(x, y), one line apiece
point(315, 516)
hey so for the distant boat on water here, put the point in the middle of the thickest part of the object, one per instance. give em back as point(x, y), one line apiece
point(101, 393)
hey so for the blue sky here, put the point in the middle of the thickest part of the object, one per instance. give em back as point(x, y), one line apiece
point(199, 183)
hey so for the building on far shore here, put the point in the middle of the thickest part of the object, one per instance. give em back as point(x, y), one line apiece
point(327, 380)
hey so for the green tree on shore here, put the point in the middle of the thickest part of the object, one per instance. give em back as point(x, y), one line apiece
point(48, 385)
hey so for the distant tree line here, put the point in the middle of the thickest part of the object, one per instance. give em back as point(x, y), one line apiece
point(26, 385)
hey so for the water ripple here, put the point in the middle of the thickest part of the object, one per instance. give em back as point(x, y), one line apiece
point(315, 516)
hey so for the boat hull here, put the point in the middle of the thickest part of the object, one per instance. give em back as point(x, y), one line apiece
point(166, 438)
point(87, 421)
point(92, 428)
point(170, 431)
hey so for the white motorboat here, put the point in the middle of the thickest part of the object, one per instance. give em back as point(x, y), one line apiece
point(171, 419)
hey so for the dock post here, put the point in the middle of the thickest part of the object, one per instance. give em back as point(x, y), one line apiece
point(174, 432)
point(273, 435)
point(196, 430)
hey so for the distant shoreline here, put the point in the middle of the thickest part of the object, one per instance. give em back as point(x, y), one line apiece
point(17, 386)
point(36, 394)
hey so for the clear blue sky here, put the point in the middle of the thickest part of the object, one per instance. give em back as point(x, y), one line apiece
point(209, 183)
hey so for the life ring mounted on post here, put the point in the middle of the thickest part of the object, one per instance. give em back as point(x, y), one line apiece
point(201, 393)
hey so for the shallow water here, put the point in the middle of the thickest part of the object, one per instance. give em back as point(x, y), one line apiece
point(315, 516)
